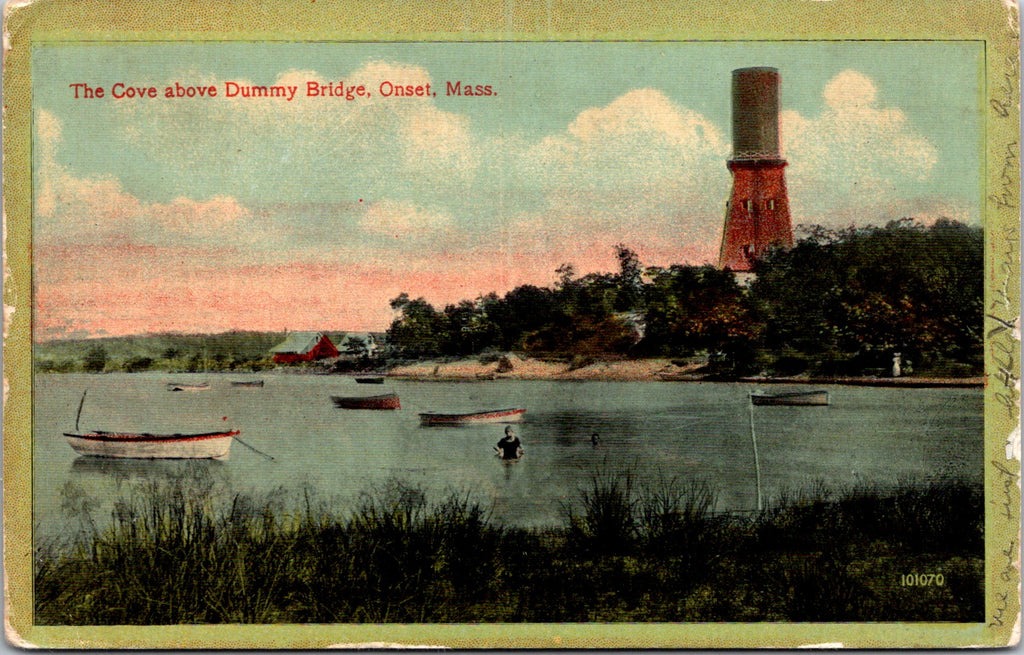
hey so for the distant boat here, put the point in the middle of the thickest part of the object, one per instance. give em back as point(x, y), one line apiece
point(248, 384)
point(819, 397)
point(142, 445)
point(510, 415)
point(188, 386)
point(371, 379)
point(383, 401)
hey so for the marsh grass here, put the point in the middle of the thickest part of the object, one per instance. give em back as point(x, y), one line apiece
point(632, 548)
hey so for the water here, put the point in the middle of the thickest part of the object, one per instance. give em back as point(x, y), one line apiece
point(694, 431)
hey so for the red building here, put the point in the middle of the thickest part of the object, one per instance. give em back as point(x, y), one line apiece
point(757, 214)
point(304, 347)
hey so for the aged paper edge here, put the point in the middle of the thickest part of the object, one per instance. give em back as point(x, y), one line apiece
point(993, 21)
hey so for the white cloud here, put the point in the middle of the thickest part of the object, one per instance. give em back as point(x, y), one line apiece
point(309, 148)
point(641, 170)
point(853, 155)
point(71, 209)
point(387, 178)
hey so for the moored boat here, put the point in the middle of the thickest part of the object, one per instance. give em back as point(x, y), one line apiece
point(142, 445)
point(509, 415)
point(812, 398)
point(188, 386)
point(370, 379)
point(383, 401)
point(247, 384)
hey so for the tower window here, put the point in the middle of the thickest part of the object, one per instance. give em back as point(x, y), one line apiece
point(748, 205)
point(771, 204)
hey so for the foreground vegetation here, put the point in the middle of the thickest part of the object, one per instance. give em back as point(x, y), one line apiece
point(627, 551)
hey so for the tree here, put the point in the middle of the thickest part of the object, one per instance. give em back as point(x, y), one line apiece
point(690, 308)
point(522, 312)
point(847, 301)
point(419, 330)
point(95, 359)
point(629, 279)
point(468, 329)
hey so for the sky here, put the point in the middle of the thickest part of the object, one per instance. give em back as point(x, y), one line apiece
point(262, 213)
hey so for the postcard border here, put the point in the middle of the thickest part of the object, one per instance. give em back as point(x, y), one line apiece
point(995, 23)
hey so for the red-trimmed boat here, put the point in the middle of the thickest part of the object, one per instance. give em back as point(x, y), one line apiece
point(142, 445)
point(383, 401)
point(510, 415)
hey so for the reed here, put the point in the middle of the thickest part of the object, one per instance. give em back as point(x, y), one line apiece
point(630, 549)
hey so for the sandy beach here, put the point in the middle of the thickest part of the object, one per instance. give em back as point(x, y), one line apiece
point(514, 367)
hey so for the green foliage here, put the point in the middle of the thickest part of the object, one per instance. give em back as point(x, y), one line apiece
point(837, 303)
point(136, 364)
point(179, 553)
point(690, 308)
point(95, 359)
point(848, 300)
point(419, 331)
point(607, 524)
point(167, 352)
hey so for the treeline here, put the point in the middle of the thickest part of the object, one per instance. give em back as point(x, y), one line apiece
point(840, 302)
point(241, 351)
point(628, 550)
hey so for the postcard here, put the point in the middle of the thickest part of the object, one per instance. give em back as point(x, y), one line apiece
point(511, 325)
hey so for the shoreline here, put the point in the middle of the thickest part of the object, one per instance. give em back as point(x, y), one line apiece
point(512, 367)
point(643, 370)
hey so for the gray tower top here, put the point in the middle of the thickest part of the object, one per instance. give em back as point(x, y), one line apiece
point(755, 114)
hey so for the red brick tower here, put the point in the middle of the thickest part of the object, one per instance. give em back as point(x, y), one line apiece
point(757, 214)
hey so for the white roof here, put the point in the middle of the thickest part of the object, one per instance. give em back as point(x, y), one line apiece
point(365, 337)
point(298, 342)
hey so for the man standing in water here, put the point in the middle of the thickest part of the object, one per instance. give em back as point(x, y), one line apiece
point(510, 447)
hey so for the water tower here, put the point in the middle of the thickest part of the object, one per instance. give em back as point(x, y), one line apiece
point(757, 213)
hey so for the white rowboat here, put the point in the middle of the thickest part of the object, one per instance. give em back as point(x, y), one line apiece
point(207, 445)
point(511, 415)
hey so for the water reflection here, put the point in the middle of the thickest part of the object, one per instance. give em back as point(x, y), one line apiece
point(130, 470)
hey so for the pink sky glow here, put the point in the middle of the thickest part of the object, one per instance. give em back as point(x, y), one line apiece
point(214, 297)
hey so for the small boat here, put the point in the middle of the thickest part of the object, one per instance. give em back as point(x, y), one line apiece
point(142, 445)
point(818, 398)
point(383, 401)
point(188, 386)
point(247, 384)
point(511, 415)
point(372, 379)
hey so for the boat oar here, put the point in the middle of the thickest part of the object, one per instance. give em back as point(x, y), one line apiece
point(255, 450)
point(80, 404)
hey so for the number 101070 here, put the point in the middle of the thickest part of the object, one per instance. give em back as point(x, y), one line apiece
point(922, 580)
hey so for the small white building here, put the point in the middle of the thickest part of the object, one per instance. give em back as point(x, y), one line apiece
point(358, 344)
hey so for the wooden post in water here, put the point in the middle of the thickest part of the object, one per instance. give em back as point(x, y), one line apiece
point(757, 462)
point(80, 404)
